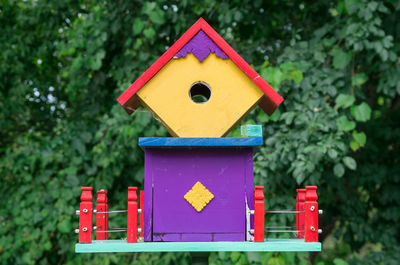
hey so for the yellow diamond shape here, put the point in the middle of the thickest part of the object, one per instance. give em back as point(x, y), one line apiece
point(199, 196)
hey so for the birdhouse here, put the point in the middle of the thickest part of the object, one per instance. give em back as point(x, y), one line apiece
point(199, 185)
point(200, 87)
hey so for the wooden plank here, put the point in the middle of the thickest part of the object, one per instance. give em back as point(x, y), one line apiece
point(200, 142)
point(148, 194)
point(311, 214)
point(141, 218)
point(259, 214)
point(102, 215)
point(199, 237)
point(249, 186)
point(132, 221)
point(251, 130)
point(301, 198)
point(269, 245)
point(86, 215)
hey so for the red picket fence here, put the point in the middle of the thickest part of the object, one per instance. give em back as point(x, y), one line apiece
point(101, 229)
point(301, 198)
point(311, 215)
point(259, 214)
point(102, 215)
point(306, 214)
point(86, 215)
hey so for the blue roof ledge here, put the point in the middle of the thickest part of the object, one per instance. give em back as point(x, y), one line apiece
point(149, 142)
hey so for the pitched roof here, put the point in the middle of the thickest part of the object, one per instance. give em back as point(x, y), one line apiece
point(269, 102)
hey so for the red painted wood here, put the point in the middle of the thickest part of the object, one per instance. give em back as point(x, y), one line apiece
point(268, 103)
point(142, 213)
point(132, 223)
point(157, 65)
point(101, 218)
point(259, 211)
point(86, 215)
point(275, 98)
point(297, 214)
point(311, 214)
point(301, 197)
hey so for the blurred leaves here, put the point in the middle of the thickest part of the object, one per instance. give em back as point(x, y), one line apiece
point(361, 112)
point(359, 140)
point(155, 14)
point(344, 101)
point(338, 261)
point(344, 124)
point(339, 170)
point(138, 26)
point(359, 79)
point(350, 162)
point(340, 58)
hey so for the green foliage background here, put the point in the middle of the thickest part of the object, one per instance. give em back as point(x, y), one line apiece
point(64, 63)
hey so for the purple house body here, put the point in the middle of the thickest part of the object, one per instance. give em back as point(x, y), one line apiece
point(174, 165)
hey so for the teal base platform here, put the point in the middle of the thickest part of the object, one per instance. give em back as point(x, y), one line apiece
point(270, 245)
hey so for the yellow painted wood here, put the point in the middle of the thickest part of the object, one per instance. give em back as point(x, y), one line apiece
point(233, 95)
point(198, 196)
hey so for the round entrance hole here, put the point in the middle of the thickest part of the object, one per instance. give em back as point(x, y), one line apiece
point(200, 92)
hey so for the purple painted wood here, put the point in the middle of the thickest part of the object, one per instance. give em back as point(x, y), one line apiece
point(148, 194)
point(199, 237)
point(201, 46)
point(220, 171)
point(250, 185)
point(226, 172)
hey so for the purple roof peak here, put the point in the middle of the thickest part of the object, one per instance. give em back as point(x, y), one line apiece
point(201, 46)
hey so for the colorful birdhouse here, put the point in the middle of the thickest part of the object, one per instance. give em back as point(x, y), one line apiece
point(200, 87)
point(199, 186)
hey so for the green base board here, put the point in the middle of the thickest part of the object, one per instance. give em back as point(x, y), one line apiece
point(270, 245)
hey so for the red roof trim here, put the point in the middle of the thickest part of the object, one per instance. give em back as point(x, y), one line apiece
point(273, 100)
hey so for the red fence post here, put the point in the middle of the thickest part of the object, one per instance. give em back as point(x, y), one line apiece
point(101, 215)
point(132, 224)
point(259, 214)
point(301, 197)
point(311, 214)
point(86, 215)
point(142, 214)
